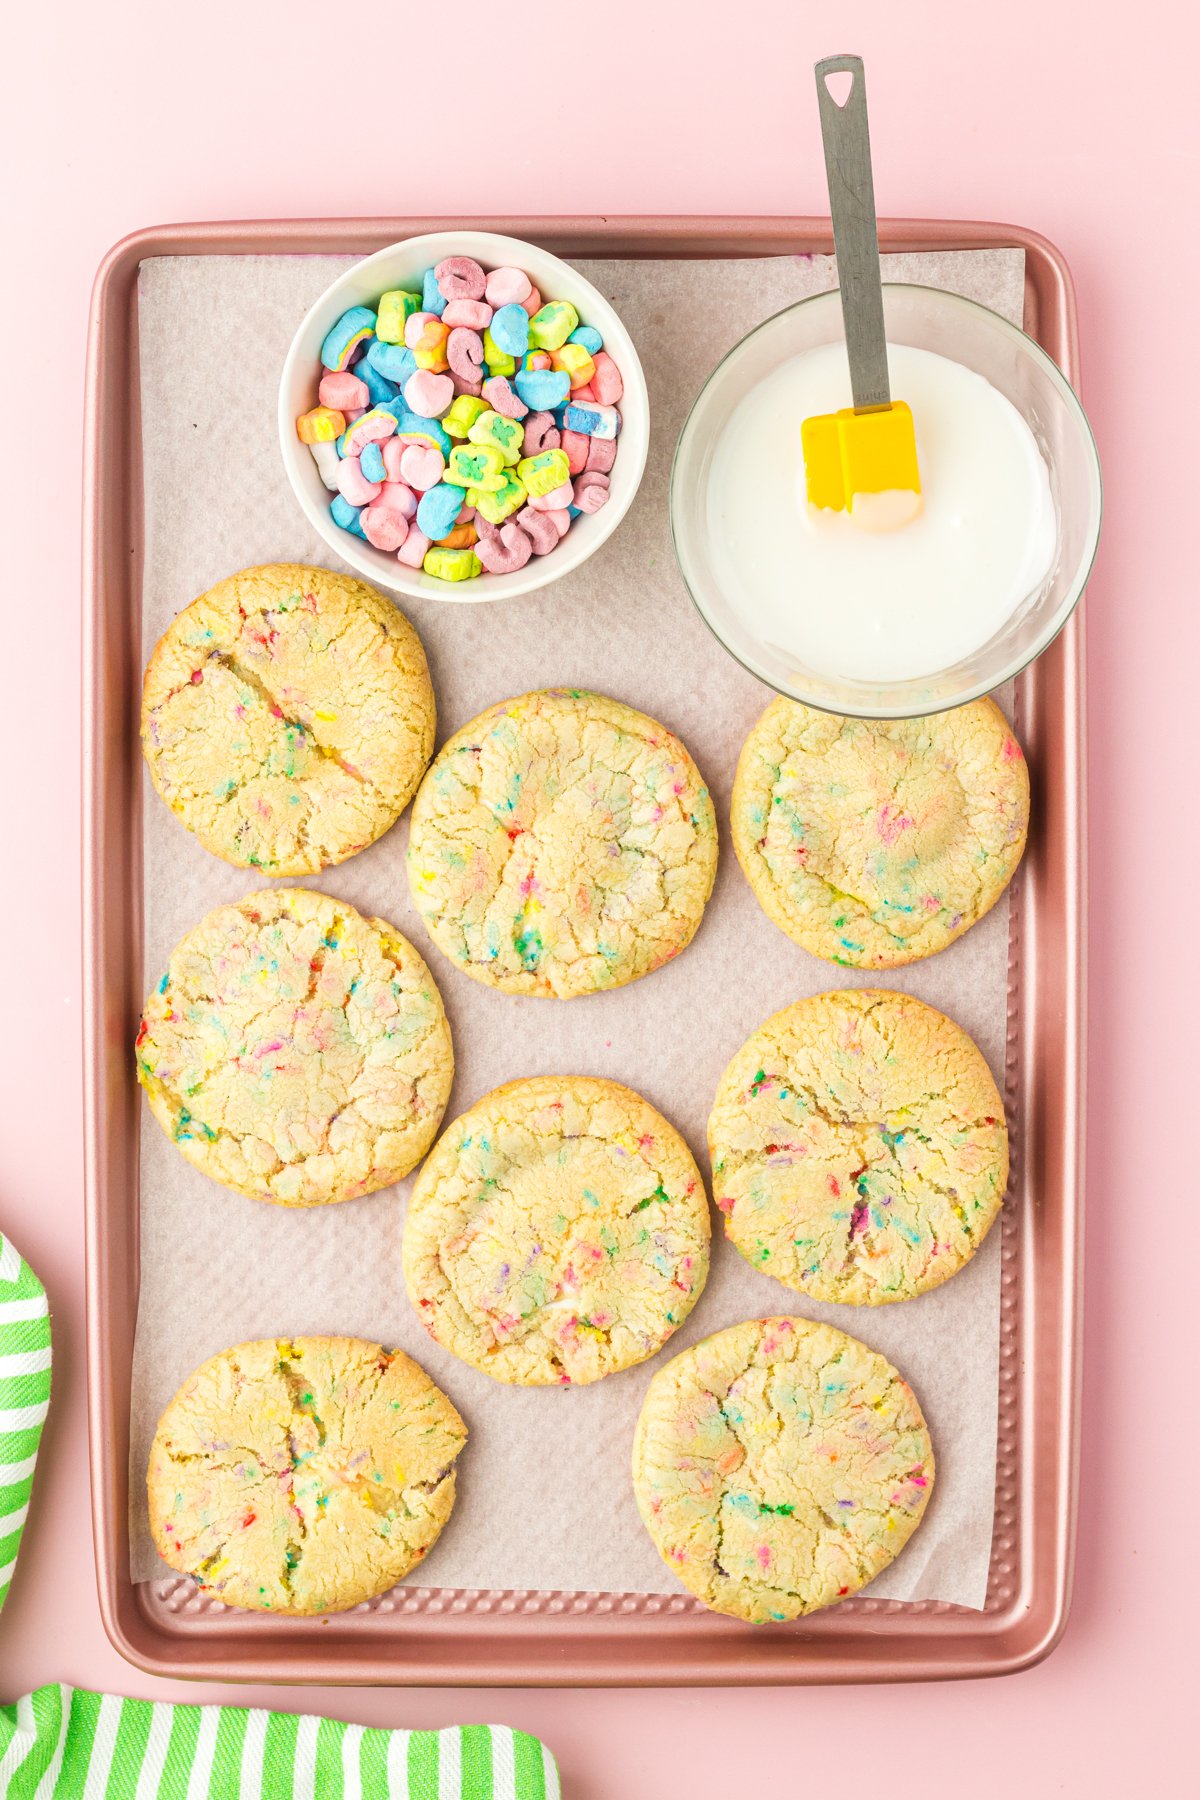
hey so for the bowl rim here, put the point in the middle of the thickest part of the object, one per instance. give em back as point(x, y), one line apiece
point(976, 691)
point(539, 571)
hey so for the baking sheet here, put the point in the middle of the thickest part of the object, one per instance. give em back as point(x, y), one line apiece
point(544, 1494)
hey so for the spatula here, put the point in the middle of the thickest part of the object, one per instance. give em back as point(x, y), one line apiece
point(870, 447)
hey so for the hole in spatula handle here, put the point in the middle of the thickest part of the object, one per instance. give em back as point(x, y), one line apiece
point(838, 85)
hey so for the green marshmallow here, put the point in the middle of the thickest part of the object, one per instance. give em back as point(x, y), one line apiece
point(544, 472)
point(452, 565)
point(500, 504)
point(499, 362)
point(550, 328)
point(463, 413)
point(395, 309)
point(505, 435)
point(475, 466)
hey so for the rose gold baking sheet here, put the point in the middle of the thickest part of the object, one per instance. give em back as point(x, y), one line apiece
point(471, 1636)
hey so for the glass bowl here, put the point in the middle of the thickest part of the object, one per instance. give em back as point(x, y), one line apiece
point(967, 333)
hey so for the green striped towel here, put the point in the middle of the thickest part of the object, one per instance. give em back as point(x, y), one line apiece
point(24, 1396)
point(60, 1743)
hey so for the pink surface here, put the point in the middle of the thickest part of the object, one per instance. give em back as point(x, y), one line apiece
point(1008, 115)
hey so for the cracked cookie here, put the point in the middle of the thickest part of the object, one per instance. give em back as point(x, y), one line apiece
point(562, 843)
point(303, 1475)
point(559, 1232)
point(287, 717)
point(296, 1051)
point(779, 1466)
point(859, 1149)
point(873, 843)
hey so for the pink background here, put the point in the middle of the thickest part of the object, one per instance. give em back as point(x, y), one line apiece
point(1042, 112)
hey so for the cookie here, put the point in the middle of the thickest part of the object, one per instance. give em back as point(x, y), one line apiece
point(287, 717)
point(296, 1051)
point(562, 843)
point(558, 1232)
point(779, 1466)
point(859, 1150)
point(302, 1475)
point(873, 843)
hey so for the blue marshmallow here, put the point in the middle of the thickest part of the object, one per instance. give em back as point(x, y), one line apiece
point(395, 362)
point(510, 329)
point(378, 386)
point(371, 463)
point(432, 298)
point(542, 389)
point(346, 516)
point(592, 419)
point(410, 425)
point(340, 340)
point(438, 509)
point(589, 337)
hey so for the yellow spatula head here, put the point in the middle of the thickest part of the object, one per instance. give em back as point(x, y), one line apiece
point(848, 453)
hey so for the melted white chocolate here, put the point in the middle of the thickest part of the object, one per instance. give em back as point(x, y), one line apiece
point(888, 591)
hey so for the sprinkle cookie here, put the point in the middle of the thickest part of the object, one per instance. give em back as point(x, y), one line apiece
point(296, 1051)
point(562, 843)
point(287, 717)
point(558, 1232)
point(875, 843)
point(859, 1149)
point(779, 1466)
point(302, 1476)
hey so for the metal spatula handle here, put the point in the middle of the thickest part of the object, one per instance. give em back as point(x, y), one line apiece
point(855, 238)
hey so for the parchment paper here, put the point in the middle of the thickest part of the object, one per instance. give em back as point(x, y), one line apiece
point(544, 1493)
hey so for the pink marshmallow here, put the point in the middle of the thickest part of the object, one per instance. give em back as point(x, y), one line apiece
point(344, 392)
point(498, 392)
point(466, 515)
point(414, 325)
point(412, 550)
point(586, 392)
point(504, 551)
point(555, 500)
point(591, 491)
point(560, 520)
point(540, 528)
point(420, 465)
point(398, 497)
point(532, 302)
point(606, 381)
point(354, 415)
point(576, 447)
point(384, 528)
point(474, 314)
point(541, 433)
point(602, 454)
point(353, 484)
point(427, 394)
point(474, 388)
point(464, 353)
point(506, 287)
point(460, 278)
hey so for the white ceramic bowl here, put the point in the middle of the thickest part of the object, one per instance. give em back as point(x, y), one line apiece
point(401, 266)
